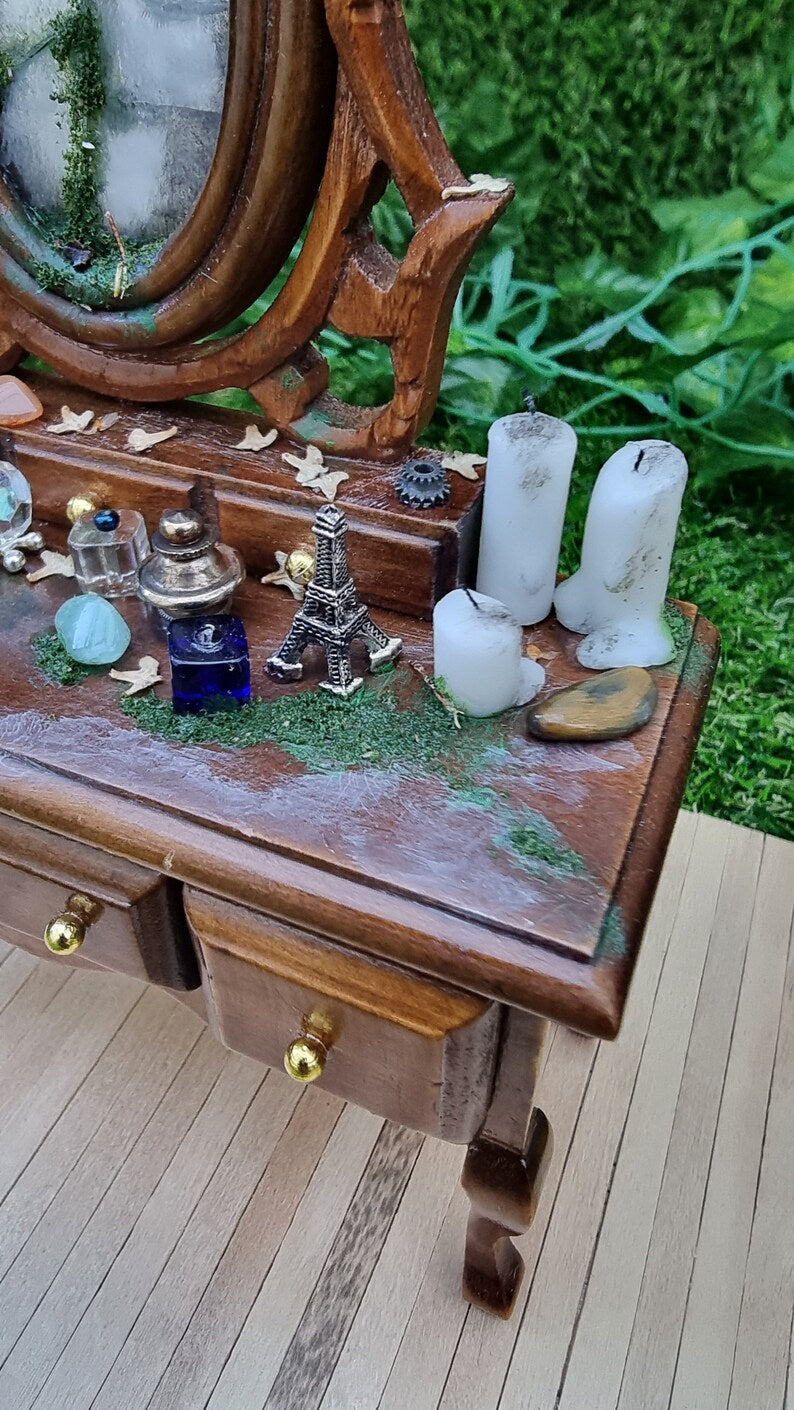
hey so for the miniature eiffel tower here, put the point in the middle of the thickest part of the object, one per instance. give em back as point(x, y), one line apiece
point(331, 615)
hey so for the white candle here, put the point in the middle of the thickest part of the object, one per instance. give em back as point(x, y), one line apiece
point(618, 593)
point(530, 458)
point(478, 657)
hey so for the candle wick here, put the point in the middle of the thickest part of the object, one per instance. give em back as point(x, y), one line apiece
point(529, 401)
point(638, 461)
point(475, 604)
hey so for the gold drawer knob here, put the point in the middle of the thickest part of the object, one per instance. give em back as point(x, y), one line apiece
point(305, 1059)
point(66, 932)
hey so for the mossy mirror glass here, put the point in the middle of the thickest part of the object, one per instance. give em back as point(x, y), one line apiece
point(109, 107)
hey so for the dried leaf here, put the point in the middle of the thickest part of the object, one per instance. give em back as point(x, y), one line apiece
point(71, 421)
point(463, 464)
point(314, 456)
point(56, 565)
point(104, 423)
point(314, 473)
point(480, 184)
point(147, 674)
point(255, 440)
point(140, 440)
point(281, 578)
point(329, 483)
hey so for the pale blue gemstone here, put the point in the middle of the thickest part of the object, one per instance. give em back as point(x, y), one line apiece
point(91, 630)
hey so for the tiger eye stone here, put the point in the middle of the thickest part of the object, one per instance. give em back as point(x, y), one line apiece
point(609, 706)
point(18, 404)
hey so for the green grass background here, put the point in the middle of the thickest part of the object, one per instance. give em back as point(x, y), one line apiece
point(597, 109)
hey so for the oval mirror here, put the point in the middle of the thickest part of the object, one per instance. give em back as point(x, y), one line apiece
point(153, 178)
point(148, 148)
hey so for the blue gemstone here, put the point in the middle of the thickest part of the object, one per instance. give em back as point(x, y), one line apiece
point(210, 669)
point(106, 520)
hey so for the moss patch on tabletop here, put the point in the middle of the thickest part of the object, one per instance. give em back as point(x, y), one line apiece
point(393, 723)
point(540, 846)
point(54, 662)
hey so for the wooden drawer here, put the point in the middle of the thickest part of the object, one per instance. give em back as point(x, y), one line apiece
point(410, 1049)
point(140, 927)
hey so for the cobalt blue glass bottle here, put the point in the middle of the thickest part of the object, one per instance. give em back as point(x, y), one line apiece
point(210, 669)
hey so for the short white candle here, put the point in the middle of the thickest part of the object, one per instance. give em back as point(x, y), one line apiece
point(618, 593)
point(477, 645)
point(530, 458)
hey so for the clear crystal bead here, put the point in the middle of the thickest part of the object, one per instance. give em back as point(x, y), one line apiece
point(16, 504)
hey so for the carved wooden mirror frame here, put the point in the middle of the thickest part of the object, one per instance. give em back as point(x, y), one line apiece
point(343, 109)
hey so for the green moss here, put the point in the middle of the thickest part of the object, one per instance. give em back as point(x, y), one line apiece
point(540, 846)
point(76, 46)
point(6, 72)
point(54, 662)
point(95, 286)
point(612, 943)
point(692, 659)
point(680, 629)
point(390, 724)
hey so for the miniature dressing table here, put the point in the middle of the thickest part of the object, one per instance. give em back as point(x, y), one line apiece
point(396, 909)
point(405, 931)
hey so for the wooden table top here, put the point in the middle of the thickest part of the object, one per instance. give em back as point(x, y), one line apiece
point(397, 861)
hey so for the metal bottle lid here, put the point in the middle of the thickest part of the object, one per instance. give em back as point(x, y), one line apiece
point(188, 571)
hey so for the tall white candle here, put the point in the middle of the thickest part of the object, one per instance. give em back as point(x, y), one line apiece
point(530, 458)
point(477, 654)
point(618, 593)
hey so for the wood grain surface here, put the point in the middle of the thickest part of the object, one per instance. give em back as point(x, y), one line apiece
point(268, 984)
point(178, 1233)
point(392, 861)
point(401, 559)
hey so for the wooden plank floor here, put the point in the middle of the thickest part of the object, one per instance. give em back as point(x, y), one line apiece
point(181, 1229)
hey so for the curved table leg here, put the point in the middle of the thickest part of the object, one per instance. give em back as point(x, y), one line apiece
point(504, 1169)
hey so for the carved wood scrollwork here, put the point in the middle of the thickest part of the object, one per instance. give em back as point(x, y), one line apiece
point(383, 126)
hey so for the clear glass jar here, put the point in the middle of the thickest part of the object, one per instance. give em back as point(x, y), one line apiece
point(108, 548)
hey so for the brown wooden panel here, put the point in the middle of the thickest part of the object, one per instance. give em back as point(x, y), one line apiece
point(416, 1052)
point(140, 930)
point(393, 862)
point(401, 559)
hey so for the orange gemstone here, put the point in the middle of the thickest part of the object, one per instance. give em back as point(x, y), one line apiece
point(18, 404)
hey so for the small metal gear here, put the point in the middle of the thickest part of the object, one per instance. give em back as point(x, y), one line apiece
point(423, 484)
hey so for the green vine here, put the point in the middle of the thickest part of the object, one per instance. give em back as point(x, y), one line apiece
point(76, 46)
point(6, 72)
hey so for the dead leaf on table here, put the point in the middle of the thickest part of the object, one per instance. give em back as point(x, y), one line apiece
point(71, 422)
point(313, 456)
point(147, 674)
point(56, 565)
point(254, 439)
point(326, 483)
point(104, 423)
point(140, 440)
point(463, 464)
point(315, 474)
point(281, 578)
